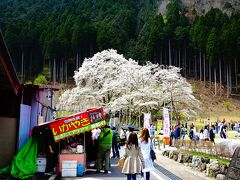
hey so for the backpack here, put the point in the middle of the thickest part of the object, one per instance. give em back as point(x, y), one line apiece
point(116, 137)
point(190, 134)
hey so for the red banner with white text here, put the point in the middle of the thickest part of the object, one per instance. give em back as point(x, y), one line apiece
point(77, 123)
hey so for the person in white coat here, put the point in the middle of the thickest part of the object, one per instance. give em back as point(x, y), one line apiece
point(145, 145)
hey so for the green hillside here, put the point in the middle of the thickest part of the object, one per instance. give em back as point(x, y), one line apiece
point(59, 34)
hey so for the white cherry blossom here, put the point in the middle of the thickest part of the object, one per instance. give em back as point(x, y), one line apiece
point(109, 80)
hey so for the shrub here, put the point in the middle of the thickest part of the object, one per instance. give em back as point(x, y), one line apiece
point(226, 104)
point(40, 79)
point(194, 87)
point(46, 72)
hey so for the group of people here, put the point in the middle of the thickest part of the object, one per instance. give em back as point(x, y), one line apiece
point(136, 151)
point(180, 131)
point(221, 127)
point(207, 134)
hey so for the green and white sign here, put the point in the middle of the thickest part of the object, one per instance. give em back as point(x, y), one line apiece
point(80, 130)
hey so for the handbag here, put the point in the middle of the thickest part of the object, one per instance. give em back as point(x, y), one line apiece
point(121, 162)
point(153, 154)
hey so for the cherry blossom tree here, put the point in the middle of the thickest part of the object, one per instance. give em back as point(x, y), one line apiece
point(109, 80)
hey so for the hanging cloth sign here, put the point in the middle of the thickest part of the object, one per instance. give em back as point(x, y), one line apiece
point(147, 119)
point(166, 125)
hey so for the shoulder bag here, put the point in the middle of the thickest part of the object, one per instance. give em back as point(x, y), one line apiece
point(152, 153)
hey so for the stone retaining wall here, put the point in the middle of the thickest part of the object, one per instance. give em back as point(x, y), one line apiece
point(211, 167)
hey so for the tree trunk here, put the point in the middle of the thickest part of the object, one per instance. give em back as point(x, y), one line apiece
point(80, 59)
point(62, 70)
point(164, 57)
point(66, 72)
point(236, 78)
point(22, 68)
point(54, 71)
point(230, 79)
point(185, 59)
point(155, 57)
point(215, 80)
point(50, 69)
point(161, 56)
point(225, 73)
point(91, 48)
point(57, 71)
point(210, 76)
point(195, 63)
point(30, 65)
point(174, 57)
point(179, 57)
point(204, 69)
point(227, 81)
point(77, 62)
point(200, 65)
point(207, 69)
point(189, 66)
point(220, 77)
point(169, 52)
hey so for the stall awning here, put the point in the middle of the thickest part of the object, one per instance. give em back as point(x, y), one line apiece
point(74, 124)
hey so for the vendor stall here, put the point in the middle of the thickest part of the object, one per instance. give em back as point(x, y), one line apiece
point(70, 140)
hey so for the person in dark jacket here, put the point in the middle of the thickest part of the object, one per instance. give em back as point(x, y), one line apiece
point(171, 135)
point(212, 134)
point(191, 133)
point(115, 142)
point(177, 132)
point(51, 155)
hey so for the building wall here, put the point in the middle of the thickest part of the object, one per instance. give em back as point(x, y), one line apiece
point(9, 118)
point(35, 109)
point(24, 125)
point(8, 129)
point(9, 103)
point(46, 98)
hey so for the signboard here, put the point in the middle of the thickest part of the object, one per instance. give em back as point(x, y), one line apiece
point(77, 123)
point(147, 118)
point(159, 125)
point(95, 115)
point(166, 125)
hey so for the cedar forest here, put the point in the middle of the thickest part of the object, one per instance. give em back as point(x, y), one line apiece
point(54, 37)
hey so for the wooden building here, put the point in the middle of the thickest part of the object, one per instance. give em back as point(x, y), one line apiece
point(10, 100)
point(21, 107)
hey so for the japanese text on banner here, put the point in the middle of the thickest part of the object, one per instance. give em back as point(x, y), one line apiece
point(166, 125)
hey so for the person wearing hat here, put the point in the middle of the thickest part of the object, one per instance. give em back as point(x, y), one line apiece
point(104, 149)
